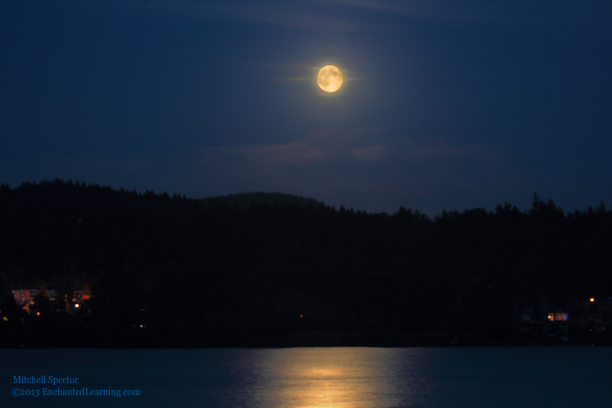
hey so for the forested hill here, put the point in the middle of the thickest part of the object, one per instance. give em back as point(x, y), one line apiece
point(245, 200)
point(204, 273)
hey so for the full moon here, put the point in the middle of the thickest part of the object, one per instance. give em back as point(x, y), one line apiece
point(330, 78)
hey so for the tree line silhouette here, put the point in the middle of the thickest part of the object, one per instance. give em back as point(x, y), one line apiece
point(276, 270)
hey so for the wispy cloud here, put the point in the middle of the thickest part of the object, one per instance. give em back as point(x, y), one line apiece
point(347, 15)
point(414, 8)
point(338, 167)
point(359, 146)
point(296, 14)
point(370, 154)
point(289, 154)
point(483, 11)
point(297, 152)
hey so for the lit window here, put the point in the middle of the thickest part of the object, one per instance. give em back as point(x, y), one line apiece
point(557, 317)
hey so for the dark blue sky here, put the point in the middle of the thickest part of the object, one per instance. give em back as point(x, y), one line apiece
point(446, 105)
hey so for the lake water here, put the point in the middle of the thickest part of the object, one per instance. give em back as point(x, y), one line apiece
point(356, 377)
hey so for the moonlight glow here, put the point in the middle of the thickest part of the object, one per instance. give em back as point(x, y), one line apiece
point(330, 78)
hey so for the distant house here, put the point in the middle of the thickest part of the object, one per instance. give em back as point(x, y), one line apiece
point(566, 318)
point(80, 297)
point(52, 294)
point(539, 316)
point(557, 317)
point(24, 297)
point(596, 315)
point(557, 320)
point(529, 315)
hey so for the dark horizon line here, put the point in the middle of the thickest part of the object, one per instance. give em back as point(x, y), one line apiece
point(506, 206)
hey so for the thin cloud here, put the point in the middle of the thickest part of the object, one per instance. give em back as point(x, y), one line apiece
point(441, 149)
point(293, 153)
point(347, 15)
point(341, 169)
point(302, 14)
point(370, 154)
point(483, 11)
point(399, 7)
point(362, 147)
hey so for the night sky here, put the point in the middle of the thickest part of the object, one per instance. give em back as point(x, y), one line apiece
point(446, 104)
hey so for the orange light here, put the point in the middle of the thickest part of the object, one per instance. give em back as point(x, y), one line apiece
point(76, 305)
point(592, 300)
point(37, 313)
point(301, 316)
